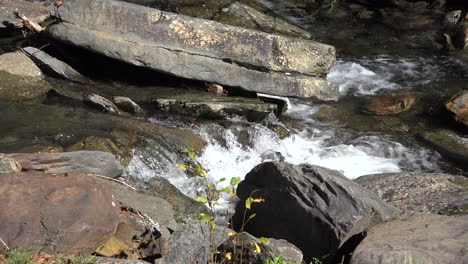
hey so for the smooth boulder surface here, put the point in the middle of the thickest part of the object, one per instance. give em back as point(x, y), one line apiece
point(21, 79)
point(95, 162)
point(65, 213)
point(449, 143)
point(314, 208)
point(390, 104)
point(435, 193)
point(420, 238)
point(199, 49)
point(458, 105)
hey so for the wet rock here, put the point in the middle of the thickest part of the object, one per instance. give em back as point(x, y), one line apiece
point(54, 65)
point(21, 79)
point(200, 49)
point(37, 12)
point(280, 130)
point(128, 105)
point(65, 213)
point(102, 103)
point(95, 162)
point(435, 193)
point(8, 164)
point(268, 252)
point(420, 238)
point(390, 104)
point(315, 208)
point(123, 152)
point(193, 242)
point(206, 104)
point(458, 105)
point(449, 143)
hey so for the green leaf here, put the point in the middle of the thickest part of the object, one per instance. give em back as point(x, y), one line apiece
point(182, 166)
point(225, 189)
point(210, 186)
point(202, 199)
point(222, 179)
point(235, 181)
point(264, 240)
point(251, 216)
point(204, 217)
point(248, 202)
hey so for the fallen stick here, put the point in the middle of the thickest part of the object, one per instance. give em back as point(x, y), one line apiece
point(3, 242)
point(112, 179)
point(29, 24)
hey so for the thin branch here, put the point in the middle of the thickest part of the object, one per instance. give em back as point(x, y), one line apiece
point(115, 180)
point(29, 24)
point(3, 242)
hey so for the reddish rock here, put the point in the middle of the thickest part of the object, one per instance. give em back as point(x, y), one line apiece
point(458, 105)
point(67, 213)
point(390, 104)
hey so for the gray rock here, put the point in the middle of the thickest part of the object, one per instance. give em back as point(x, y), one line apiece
point(435, 193)
point(21, 79)
point(128, 105)
point(8, 164)
point(102, 260)
point(315, 208)
point(58, 67)
point(207, 104)
point(102, 103)
point(96, 162)
point(194, 242)
point(421, 238)
point(34, 11)
point(449, 143)
point(199, 49)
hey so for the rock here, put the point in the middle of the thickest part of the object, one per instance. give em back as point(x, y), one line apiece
point(102, 103)
point(54, 65)
point(37, 12)
point(315, 208)
point(199, 49)
point(65, 213)
point(21, 79)
point(191, 243)
point(206, 104)
point(128, 105)
point(279, 130)
point(458, 105)
point(8, 165)
point(420, 238)
point(268, 251)
point(95, 162)
point(435, 193)
point(103, 260)
point(449, 143)
point(123, 152)
point(390, 104)
point(136, 238)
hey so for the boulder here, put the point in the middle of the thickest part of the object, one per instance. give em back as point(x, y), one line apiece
point(21, 79)
point(199, 49)
point(101, 103)
point(194, 242)
point(104, 260)
point(66, 213)
point(37, 12)
point(420, 238)
point(53, 65)
point(448, 142)
point(315, 208)
point(458, 105)
point(8, 164)
point(435, 193)
point(207, 104)
point(128, 105)
point(95, 162)
point(390, 104)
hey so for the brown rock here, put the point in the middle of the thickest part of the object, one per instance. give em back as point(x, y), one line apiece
point(66, 213)
point(458, 105)
point(390, 104)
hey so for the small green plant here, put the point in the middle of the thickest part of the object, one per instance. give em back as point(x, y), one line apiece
point(279, 260)
point(76, 260)
point(194, 167)
point(15, 256)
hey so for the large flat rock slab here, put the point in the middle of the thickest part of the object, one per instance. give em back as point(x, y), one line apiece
point(199, 49)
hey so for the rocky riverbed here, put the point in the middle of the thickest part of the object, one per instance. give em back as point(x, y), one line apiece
point(175, 131)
